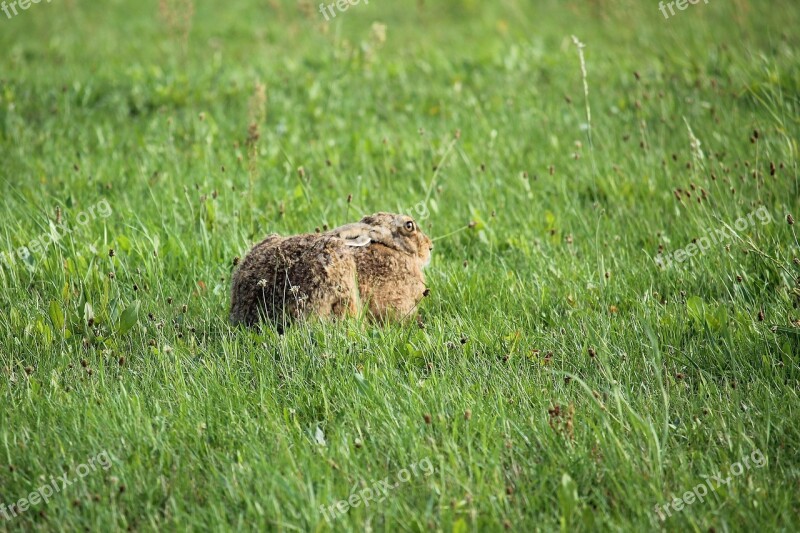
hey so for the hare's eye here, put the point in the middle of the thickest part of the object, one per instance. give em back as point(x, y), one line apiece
point(410, 226)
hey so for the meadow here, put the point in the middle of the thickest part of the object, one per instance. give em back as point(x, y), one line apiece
point(603, 335)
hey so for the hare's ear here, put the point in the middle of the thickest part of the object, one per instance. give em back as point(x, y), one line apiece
point(356, 235)
point(382, 235)
point(358, 242)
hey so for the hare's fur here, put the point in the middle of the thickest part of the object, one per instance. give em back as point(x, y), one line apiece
point(377, 261)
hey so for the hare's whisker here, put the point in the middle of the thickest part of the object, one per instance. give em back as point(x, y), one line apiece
point(459, 230)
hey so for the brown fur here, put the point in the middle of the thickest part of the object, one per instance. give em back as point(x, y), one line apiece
point(378, 260)
point(287, 278)
point(390, 278)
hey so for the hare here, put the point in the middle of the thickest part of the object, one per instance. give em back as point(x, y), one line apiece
point(374, 265)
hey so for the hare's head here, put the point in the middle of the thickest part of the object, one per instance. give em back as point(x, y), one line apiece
point(398, 232)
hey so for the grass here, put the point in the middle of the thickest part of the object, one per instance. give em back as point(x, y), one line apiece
point(563, 378)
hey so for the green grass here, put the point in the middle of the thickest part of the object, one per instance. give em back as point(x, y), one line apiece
point(562, 380)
